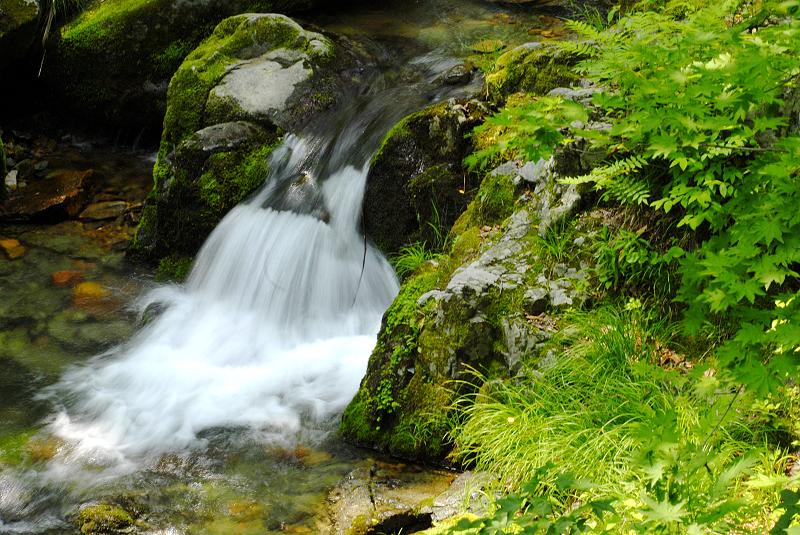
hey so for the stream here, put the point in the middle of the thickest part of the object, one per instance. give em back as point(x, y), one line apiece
point(212, 406)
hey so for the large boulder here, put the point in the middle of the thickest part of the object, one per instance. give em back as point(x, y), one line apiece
point(219, 130)
point(473, 315)
point(417, 185)
point(18, 24)
point(139, 44)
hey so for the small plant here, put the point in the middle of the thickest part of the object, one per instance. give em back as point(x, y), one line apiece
point(547, 504)
point(411, 258)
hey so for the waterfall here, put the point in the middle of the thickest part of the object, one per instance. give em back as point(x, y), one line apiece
point(272, 330)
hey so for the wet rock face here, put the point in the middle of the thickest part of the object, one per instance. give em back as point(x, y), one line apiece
point(418, 176)
point(140, 44)
point(257, 77)
point(59, 197)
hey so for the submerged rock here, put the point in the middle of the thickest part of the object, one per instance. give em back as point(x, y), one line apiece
point(103, 518)
point(140, 44)
point(257, 77)
point(385, 497)
point(58, 197)
point(417, 177)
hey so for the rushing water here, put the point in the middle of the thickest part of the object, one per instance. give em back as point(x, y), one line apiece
point(231, 389)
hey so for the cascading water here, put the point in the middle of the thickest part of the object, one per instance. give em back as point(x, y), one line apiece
point(275, 325)
point(273, 328)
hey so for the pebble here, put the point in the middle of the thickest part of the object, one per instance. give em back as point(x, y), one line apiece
point(89, 291)
point(13, 248)
point(66, 278)
point(103, 210)
point(11, 180)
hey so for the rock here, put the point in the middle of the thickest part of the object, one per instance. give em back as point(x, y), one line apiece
point(18, 30)
point(66, 278)
point(11, 180)
point(58, 197)
point(219, 131)
point(141, 43)
point(487, 46)
point(385, 498)
point(458, 74)
point(534, 68)
point(417, 177)
point(13, 248)
point(25, 170)
point(468, 493)
point(103, 519)
point(476, 315)
point(89, 290)
point(103, 210)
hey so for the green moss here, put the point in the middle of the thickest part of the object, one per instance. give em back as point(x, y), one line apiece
point(102, 518)
point(495, 200)
point(174, 268)
point(12, 446)
point(532, 70)
point(375, 404)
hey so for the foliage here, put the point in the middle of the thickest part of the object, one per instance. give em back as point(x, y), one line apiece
point(581, 407)
point(625, 258)
point(695, 96)
point(531, 129)
point(534, 511)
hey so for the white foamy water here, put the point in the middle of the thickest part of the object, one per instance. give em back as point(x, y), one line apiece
point(272, 331)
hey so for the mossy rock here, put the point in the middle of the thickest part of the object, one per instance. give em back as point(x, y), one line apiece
point(18, 24)
point(219, 134)
point(464, 318)
point(103, 519)
point(535, 68)
point(139, 44)
point(417, 185)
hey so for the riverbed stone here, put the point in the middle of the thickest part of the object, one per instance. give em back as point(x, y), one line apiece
point(60, 196)
point(417, 185)
point(102, 518)
point(384, 497)
point(100, 211)
point(219, 131)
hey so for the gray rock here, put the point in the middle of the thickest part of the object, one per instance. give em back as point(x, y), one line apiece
point(467, 494)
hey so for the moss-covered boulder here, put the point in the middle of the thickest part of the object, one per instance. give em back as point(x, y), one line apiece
point(18, 24)
point(103, 519)
point(417, 177)
point(139, 44)
point(255, 78)
point(535, 68)
point(472, 315)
